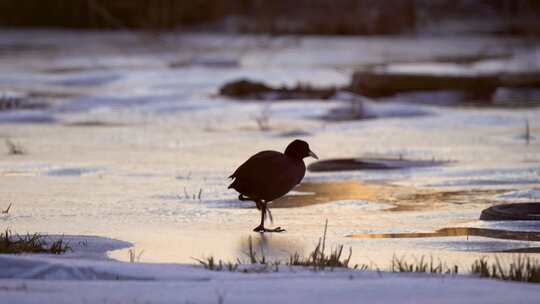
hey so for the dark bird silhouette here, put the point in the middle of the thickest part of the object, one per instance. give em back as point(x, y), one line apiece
point(269, 175)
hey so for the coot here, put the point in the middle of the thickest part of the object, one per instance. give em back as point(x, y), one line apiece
point(269, 175)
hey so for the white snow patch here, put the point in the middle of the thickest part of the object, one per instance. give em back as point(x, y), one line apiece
point(521, 195)
point(56, 280)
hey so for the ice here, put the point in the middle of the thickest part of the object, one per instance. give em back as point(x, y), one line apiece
point(127, 143)
point(71, 171)
point(521, 195)
point(39, 117)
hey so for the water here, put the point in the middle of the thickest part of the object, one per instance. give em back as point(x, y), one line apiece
point(133, 149)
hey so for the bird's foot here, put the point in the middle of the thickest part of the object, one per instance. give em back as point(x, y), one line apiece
point(262, 229)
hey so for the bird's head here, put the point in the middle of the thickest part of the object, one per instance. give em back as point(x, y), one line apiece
point(299, 149)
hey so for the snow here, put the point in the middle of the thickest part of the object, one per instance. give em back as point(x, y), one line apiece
point(203, 287)
point(64, 279)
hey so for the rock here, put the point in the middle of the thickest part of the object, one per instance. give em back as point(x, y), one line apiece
point(247, 89)
point(512, 212)
point(243, 88)
point(478, 90)
point(375, 84)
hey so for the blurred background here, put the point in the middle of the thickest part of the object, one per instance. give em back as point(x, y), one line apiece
point(319, 17)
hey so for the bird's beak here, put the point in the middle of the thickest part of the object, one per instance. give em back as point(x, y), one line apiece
point(313, 154)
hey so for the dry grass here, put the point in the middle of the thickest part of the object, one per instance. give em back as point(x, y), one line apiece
point(192, 196)
point(527, 134)
point(30, 243)
point(519, 268)
point(522, 269)
point(257, 263)
point(14, 148)
point(263, 118)
point(135, 257)
point(422, 266)
point(211, 264)
point(319, 259)
point(6, 211)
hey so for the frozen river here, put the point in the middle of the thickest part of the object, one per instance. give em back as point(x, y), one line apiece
point(134, 144)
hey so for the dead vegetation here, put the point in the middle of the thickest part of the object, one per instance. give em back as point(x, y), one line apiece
point(527, 134)
point(14, 148)
point(263, 118)
point(344, 17)
point(521, 269)
point(319, 259)
point(30, 243)
point(422, 266)
point(191, 196)
point(135, 257)
point(518, 268)
point(6, 211)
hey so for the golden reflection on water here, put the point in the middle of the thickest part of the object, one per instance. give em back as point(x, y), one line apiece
point(458, 231)
point(321, 193)
point(403, 198)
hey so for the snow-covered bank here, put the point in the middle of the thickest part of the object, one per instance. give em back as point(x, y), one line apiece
point(85, 276)
point(57, 280)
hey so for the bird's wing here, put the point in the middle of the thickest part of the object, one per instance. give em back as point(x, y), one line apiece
point(270, 160)
point(265, 174)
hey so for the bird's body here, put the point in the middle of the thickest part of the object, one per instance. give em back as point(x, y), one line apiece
point(269, 175)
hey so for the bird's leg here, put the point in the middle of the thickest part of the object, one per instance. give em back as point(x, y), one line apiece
point(245, 198)
point(259, 204)
point(260, 228)
point(270, 217)
point(262, 205)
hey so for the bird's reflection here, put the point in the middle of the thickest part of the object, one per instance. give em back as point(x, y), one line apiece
point(272, 247)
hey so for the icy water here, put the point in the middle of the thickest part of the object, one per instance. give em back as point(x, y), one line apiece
point(134, 144)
